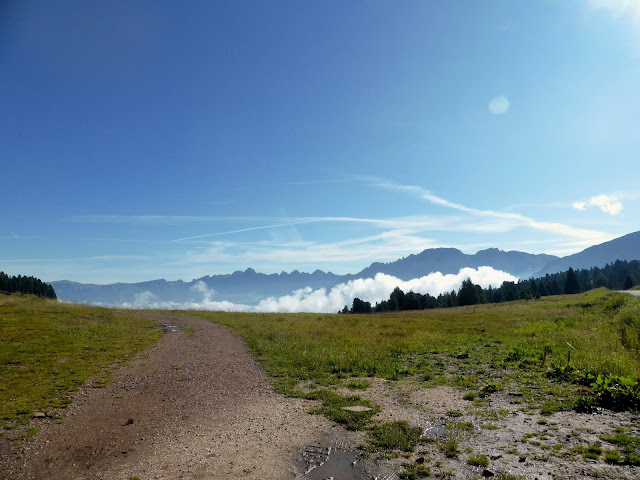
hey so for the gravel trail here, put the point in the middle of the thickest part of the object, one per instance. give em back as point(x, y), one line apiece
point(198, 407)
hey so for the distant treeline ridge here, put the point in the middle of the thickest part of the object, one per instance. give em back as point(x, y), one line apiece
point(620, 275)
point(30, 285)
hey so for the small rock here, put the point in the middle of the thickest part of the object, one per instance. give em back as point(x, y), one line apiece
point(357, 408)
point(495, 457)
point(487, 473)
point(522, 458)
point(38, 415)
point(128, 422)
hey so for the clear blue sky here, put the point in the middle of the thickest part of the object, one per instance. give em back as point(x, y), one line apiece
point(146, 139)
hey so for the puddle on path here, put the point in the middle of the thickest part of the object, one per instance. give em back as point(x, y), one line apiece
point(333, 463)
point(436, 430)
point(170, 328)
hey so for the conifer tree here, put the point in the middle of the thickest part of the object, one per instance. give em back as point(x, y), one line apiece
point(571, 285)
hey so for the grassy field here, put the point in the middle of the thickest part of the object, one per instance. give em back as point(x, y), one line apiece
point(543, 348)
point(48, 349)
point(555, 353)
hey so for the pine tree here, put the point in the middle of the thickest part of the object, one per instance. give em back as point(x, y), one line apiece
point(467, 295)
point(629, 282)
point(571, 285)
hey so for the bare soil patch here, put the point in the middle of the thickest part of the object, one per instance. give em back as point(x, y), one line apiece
point(519, 443)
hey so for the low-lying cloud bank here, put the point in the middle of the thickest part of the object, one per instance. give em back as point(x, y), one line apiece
point(330, 301)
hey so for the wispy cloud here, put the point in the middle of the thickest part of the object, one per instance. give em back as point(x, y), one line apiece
point(385, 246)
point(248, 229)
point(501, 221)
point(606, 203)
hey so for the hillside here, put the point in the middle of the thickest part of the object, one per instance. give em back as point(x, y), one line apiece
point(626, 247)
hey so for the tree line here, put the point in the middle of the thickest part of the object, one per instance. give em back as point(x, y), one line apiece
point(30, 285)
point(620, 275)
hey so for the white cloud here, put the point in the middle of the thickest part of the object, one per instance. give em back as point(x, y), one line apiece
point(150, 300)
point(330, 301)
point(606, 203)
point(499, 105)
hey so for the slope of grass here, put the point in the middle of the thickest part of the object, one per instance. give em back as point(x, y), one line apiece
point(470, 347)
point(48, 349)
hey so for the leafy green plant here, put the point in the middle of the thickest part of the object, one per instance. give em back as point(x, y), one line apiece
point(489, 388)
point(616, 393)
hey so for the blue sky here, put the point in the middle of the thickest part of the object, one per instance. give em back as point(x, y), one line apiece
point(144, 139)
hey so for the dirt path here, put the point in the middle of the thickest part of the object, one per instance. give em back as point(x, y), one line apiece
point(199, 407)
point(635, 293)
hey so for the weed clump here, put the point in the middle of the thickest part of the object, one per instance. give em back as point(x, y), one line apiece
point(449, 447)
point(332, 407)
point(593, 451)
point(488, 389)
point(397, 435)
point(414, 471)
point(478, 461)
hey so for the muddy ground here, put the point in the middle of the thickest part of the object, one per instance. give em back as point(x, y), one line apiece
point(198, 406)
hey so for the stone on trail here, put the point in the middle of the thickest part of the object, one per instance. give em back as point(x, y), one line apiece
point(357, 408)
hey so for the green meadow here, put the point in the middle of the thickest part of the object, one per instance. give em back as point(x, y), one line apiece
point(551, 350)
point(48, 349)
point(561, 352)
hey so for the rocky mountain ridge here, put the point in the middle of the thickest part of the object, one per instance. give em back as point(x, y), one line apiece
point(249, 287)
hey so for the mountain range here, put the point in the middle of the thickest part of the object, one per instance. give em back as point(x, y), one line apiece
point(249, 287)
